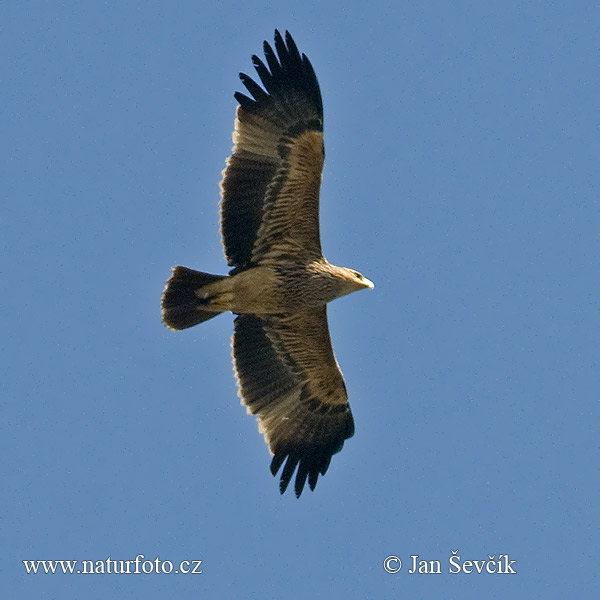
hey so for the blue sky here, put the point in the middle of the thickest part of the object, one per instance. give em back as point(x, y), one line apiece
point(461, 177)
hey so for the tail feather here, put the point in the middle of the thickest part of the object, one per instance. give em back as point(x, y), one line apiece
point(181, 305)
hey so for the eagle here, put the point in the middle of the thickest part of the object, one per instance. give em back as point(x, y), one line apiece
point(279, 283)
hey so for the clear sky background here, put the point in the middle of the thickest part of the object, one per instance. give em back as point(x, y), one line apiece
point(462, 145)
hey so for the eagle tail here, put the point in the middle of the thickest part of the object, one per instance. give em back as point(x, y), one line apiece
point(185, 300)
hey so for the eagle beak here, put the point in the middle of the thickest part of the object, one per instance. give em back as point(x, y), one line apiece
point(368, 283)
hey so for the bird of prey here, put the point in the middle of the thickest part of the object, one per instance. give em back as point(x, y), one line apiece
point(280, 282)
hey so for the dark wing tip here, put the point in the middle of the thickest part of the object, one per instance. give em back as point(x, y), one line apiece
point(286, 69)
point(311, 463)
point(243, 100)
point(257, 92)
point(288, 470)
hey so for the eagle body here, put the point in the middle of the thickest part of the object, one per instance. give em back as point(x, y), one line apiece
point(280, 283)
point(284, 288)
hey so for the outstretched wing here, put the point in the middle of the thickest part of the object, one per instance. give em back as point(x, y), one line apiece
point(288, 376)
point(270, 187)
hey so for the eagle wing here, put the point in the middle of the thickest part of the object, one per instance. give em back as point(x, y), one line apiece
point(270, 186)
point(288, 376)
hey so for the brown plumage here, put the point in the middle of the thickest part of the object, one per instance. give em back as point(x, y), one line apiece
point(280, 282)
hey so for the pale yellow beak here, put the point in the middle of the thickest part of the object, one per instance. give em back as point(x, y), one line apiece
point(367, 283)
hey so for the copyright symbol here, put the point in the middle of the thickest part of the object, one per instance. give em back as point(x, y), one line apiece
point(392, 564)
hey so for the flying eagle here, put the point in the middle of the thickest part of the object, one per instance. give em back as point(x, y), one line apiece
point(280, 283)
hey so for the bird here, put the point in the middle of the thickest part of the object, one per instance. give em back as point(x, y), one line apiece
point(280, 283)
